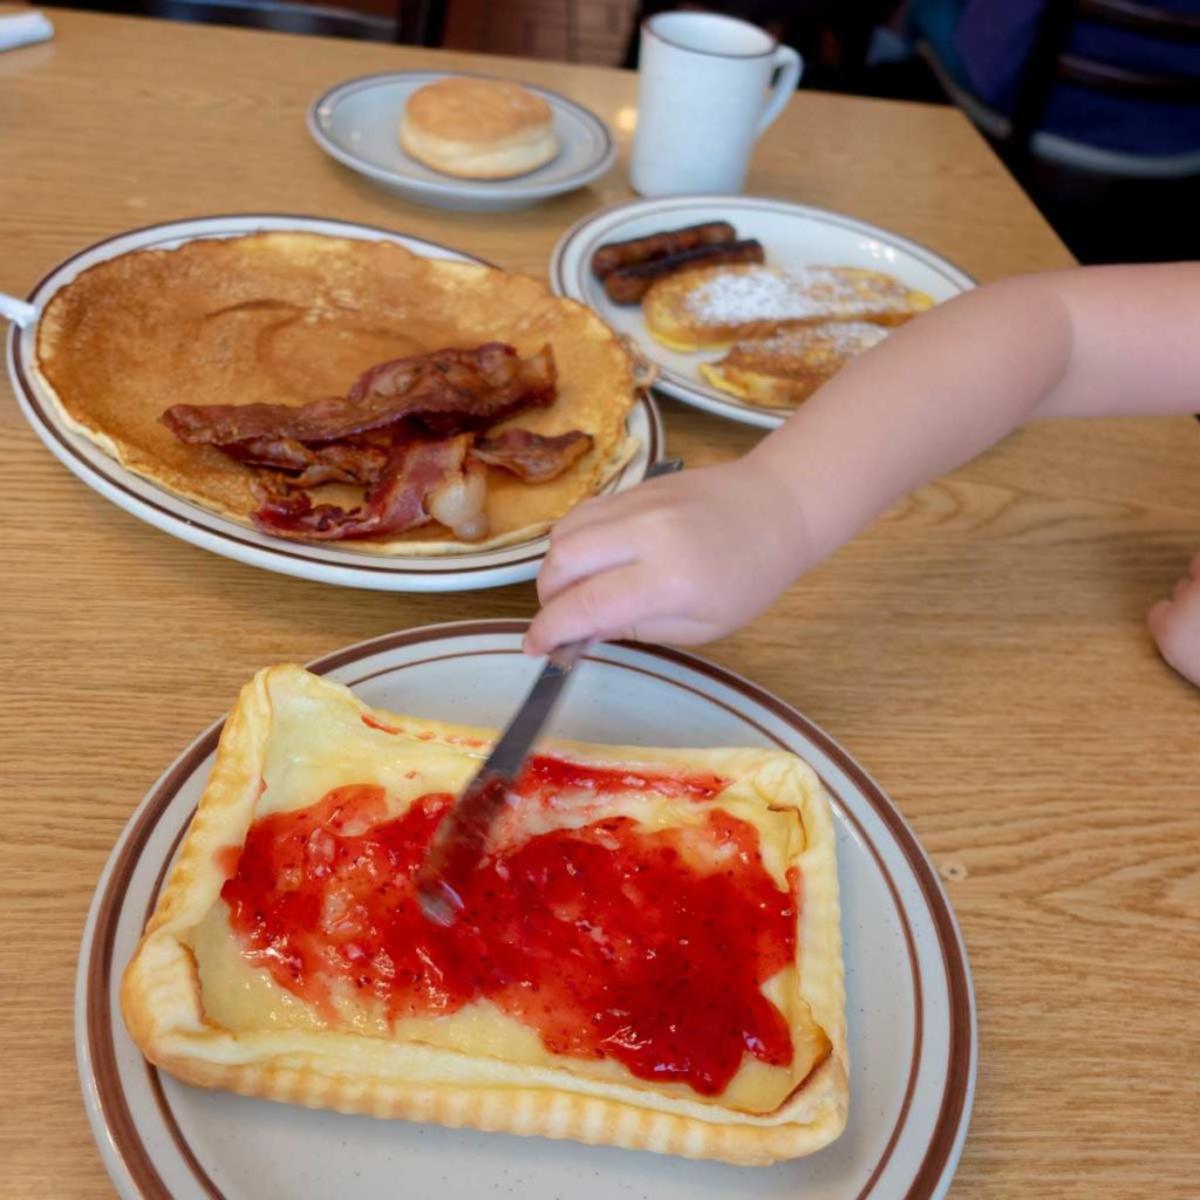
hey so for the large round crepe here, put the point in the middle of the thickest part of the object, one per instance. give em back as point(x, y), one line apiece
point(286, 318)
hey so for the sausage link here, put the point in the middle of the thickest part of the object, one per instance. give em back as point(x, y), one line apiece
point(629, 284)
point(614, 255)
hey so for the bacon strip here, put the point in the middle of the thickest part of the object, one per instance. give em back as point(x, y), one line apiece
point(448, 391)
point(334, 462)
point(530, 456)
point(404, 433)
point(397, 502)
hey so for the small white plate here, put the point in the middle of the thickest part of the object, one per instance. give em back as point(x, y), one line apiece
point(326, 562)
point(358, 123)
point(910, 1008)
point(793, 236)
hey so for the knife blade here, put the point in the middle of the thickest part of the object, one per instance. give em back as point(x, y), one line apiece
point(462, 834)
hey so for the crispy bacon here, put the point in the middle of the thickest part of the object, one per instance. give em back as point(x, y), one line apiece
point(417, 471)
point(404, 433)
point(530, 456)
point(333, 462)
point(447, 391)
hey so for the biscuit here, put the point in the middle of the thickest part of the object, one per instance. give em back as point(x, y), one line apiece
point(478, 128)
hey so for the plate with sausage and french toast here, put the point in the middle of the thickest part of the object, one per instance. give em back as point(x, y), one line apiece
point(470, 142)
point(701, 954)
point(745, 305)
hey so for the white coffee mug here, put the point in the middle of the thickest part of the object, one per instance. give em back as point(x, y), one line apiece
point(703, 101)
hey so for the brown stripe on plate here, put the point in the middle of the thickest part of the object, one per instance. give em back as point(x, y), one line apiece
point(959, 1052)
point(558, 276)
point(114, 1106)
point(352, 86)
point(284, 549)
point(931, 258)
point(125, 1138)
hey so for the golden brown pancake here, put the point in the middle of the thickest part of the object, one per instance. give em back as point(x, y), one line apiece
point(785, 368)
point(287, 318)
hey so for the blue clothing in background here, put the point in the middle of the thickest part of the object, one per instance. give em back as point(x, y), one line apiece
point(984, 44)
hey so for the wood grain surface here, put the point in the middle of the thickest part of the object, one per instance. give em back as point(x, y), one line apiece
point(980, 649)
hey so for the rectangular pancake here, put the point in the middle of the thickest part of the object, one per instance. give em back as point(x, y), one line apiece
point(616, 978)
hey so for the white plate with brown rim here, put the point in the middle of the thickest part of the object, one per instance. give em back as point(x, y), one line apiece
point(337, 563)
point(793, 236)
point(358, 123)
point(910, 1006)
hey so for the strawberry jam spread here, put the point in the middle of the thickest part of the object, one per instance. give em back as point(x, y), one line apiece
point(610, 940)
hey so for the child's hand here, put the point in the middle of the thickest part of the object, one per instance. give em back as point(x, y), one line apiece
point(1175, 624)
point(685, 558)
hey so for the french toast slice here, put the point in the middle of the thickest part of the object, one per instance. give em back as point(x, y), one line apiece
point(715, 306)
point(783, 369)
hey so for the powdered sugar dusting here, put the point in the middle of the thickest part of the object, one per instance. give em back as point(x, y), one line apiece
point(842, 338)
point(730, 297)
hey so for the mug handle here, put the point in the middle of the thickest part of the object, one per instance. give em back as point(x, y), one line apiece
point(790, 65)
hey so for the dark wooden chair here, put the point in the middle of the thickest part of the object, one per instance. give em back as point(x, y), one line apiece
point(1050, 62)
point(413, 22)
point(1107, 205)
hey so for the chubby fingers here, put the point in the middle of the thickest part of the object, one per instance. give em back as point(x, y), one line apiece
point(639, 601)
point(606, 605)
point(601, 546)
point(596, 536)
point(1175, 626)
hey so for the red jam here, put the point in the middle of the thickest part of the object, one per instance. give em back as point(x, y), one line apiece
point(371, 723)
point(609, 940)
point(546, 775)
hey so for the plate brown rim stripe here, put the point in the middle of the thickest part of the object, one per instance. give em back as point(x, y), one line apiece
point(959, 1052)
point(164, 1104)
point(126, 1140)
point(653, 421)
point(764, 202)
point(558, 278)
point(914, 966)
point(958, 1072)
point(182, 1145)
point(935, 262)
point(918, 1007)
point(17, 358)
point(361, 81)
point(168, 1113)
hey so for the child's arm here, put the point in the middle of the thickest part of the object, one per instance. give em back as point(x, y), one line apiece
point(691, 557)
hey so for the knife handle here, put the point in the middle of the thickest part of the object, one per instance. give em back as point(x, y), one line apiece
point(664, 466)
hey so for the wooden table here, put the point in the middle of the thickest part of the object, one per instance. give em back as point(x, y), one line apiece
point(980, 649)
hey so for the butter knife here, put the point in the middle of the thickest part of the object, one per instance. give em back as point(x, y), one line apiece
point(462, 835)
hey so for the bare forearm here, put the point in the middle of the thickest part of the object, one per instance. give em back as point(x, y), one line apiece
point(943, 389)
point(655, 563)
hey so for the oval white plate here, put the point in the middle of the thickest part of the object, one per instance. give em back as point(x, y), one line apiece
point(793, 236)
point(912, 1032)
point(327, 563)
point(358, 123)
